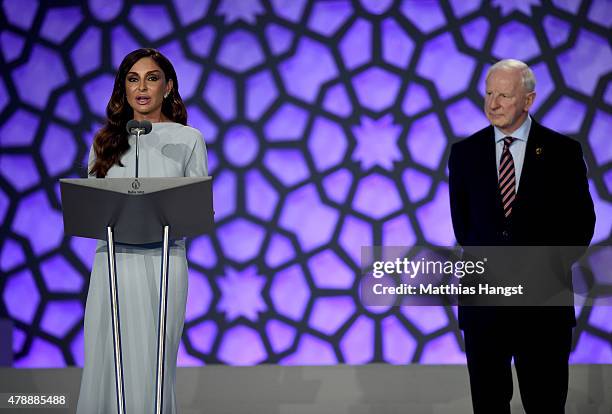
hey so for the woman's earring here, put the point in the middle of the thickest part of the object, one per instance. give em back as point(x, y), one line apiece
point(166, 95)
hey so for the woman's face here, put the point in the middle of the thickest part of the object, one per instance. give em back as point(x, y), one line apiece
point(145, 87)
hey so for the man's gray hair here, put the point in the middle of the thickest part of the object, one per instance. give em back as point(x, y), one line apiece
point(527, 75)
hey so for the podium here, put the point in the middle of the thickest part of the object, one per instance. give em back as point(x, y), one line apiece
point(137, 211)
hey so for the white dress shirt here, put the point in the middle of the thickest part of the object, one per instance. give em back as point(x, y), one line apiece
point(517, 149)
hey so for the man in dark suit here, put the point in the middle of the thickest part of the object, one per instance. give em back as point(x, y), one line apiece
point(517, 183)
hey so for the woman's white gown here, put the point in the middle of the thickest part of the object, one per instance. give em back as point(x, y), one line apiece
point(170, 150)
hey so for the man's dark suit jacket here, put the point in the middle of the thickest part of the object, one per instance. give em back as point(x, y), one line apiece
point(553, 207)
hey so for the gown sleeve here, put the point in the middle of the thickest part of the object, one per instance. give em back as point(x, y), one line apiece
point(90, 161)
point(197, 163)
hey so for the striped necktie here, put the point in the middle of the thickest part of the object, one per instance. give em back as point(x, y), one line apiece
point(507, 181)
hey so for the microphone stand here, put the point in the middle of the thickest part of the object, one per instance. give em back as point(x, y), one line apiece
point(138, 131)
point(138, 128)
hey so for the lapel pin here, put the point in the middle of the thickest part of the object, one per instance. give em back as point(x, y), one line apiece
point(539, 151)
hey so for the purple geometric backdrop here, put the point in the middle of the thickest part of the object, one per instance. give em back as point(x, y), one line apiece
point(328, 126)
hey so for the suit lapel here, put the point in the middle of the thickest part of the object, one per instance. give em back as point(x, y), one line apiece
point(530, 165)
point(490, 186)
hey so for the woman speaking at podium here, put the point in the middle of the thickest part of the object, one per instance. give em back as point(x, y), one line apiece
point(145, 88)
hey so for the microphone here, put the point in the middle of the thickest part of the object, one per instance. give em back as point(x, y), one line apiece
point(132, 126)
point(147, 126)
point(137, 128)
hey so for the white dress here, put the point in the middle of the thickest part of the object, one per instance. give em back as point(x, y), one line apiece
point(169, 150)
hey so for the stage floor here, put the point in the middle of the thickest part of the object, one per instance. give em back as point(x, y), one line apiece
point(342, 389)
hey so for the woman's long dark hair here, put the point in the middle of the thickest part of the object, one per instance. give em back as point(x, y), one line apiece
point(111, 141)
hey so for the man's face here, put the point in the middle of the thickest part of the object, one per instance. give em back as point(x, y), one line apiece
point(506, 101)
